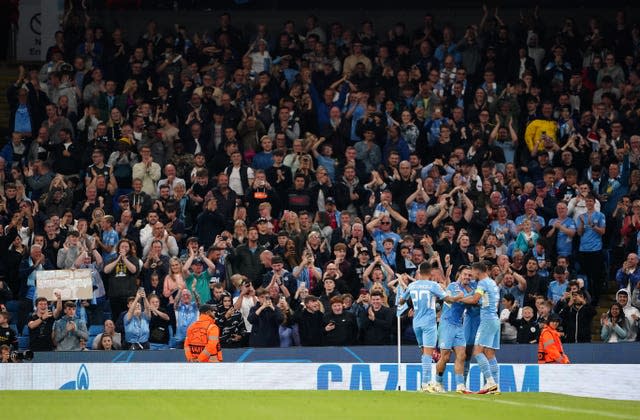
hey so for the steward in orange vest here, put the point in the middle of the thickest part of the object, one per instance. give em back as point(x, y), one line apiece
point(202, 343)
point(549, 346)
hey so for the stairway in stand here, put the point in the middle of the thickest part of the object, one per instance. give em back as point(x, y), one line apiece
point(8, 75)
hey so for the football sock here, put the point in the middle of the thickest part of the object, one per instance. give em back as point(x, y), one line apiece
point(484, 366)
point(426, 369)
point(495, 370)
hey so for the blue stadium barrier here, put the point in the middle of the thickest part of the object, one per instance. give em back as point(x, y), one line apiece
point(621, 353)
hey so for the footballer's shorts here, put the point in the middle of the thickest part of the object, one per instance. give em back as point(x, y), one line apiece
point(470, 327)
point(427, 336)
point(450, 336)
point(488, 334)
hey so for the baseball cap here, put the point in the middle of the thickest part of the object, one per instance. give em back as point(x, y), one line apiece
point(206, 308)
point(540, 184)
point(262, 220)
point(330, 200)
point(277, 259)
point(365, 251)
point(197, 261)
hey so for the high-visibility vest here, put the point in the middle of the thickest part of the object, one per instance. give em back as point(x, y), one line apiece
point(202, 343)
point(550, 347)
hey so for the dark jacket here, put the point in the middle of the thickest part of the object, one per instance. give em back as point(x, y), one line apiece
point(310, 327)
point(210, 224)
point(247, 263)
point(528, 331)
point(346, 331)
point(264, 331)
point(576, 323)
point(377, 332)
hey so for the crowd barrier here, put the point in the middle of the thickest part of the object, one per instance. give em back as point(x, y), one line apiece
point(605, 381)
point(622, 353)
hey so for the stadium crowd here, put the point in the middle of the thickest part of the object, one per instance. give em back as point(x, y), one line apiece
point(288, 175)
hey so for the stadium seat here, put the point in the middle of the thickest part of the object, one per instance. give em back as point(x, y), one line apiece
point(25, 331)
point(12, 306)
point(172, 340)
point(23, 343)
point(95, 329)
point(14, 327)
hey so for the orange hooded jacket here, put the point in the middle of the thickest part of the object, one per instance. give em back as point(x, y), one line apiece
point(202, 342)
point(550, 347)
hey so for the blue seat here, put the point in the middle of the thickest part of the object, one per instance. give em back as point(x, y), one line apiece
point(172, 340)
point(25, 331)
point(14, 327)
point(95, 330)
point(23, 343)
point(12, 306)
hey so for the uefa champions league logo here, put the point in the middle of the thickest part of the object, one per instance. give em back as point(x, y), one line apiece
point(81, 382)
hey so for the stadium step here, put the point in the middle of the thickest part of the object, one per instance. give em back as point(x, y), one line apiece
point(8, 75)
point(606, 300)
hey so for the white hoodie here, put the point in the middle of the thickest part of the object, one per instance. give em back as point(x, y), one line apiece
point(629, 312)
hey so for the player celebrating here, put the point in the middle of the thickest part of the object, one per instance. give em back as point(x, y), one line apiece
point(471, 320)
point(423, 292)
point(451, 333)
point(488, 335)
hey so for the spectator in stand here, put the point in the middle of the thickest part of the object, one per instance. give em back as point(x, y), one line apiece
point(288, 330)
point(41, 323)
point(29, 266)
point(8, 336)
point(527, 326)
point(232, 329)
point(628, 276)
point(558, 287)
point(245, 258)
point(577, 126)
point(265, 319)
point(69, 330)
point(122, 272)
point(136, 323)
point(340, 327)
point(576, 318)
point(148, 172)
point(591, 228)
point(377, 322)
point(310, 322)
point(109, 331)
point(615, 327)
point(186, 313)
point(630, 312)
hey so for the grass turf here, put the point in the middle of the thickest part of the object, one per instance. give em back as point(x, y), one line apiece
point(305, 405)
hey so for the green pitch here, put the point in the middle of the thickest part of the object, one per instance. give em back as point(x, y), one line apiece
point(305, 405)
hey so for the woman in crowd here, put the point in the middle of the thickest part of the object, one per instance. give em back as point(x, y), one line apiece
point(615, 326)
point(174, 281)
point(115, 338)
point(122, 272)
